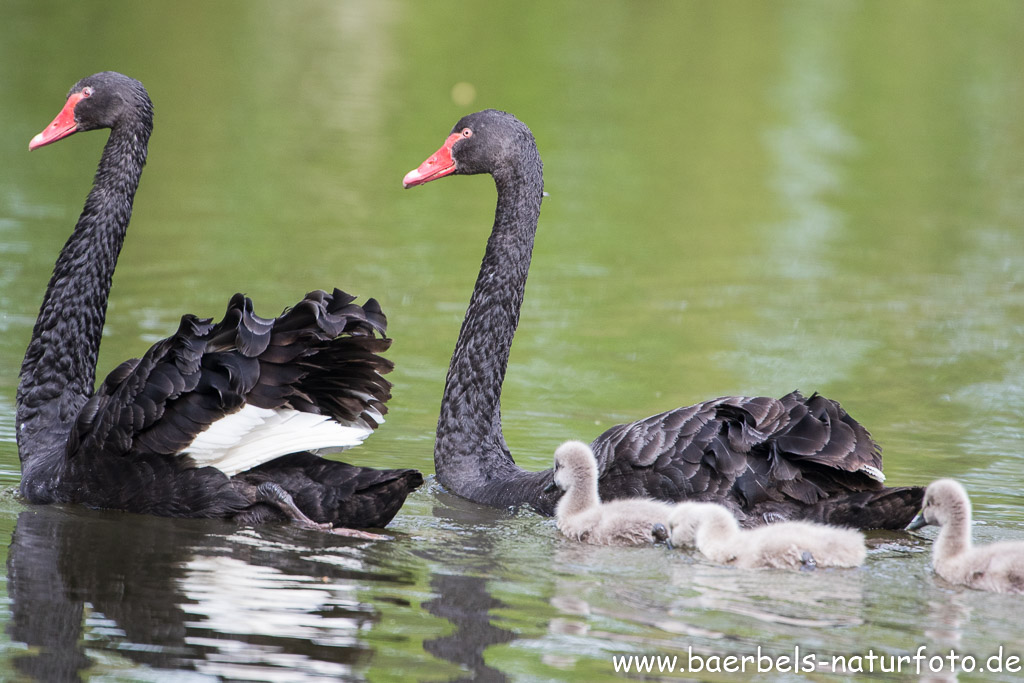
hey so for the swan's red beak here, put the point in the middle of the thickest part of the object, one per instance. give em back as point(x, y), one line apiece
point(61, 127)
point(437, 166)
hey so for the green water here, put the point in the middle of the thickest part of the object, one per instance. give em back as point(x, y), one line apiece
point(744, 198)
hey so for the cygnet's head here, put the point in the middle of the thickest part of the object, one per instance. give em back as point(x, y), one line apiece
point(574, 464)
point(942, 499)
point(687, 518)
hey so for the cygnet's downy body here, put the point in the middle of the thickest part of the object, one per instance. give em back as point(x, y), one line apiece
point(713, 530)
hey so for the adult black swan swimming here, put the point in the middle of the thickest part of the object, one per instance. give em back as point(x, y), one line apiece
point(216, 420)
point(766, 459)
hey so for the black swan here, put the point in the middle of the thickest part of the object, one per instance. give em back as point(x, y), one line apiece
point(216, 420)
point(766, 459)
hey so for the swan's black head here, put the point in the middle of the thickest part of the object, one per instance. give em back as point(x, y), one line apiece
point(103, 100)
point(488, 141)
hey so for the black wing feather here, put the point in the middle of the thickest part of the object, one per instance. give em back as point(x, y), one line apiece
point(159, 403)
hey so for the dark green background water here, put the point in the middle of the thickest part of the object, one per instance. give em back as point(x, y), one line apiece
point(745, 198)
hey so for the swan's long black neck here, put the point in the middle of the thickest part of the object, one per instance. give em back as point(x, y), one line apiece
point(59, 370)
point(470, 453)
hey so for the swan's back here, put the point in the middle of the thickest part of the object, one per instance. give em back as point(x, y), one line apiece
point(319, 358)
point(765, 459)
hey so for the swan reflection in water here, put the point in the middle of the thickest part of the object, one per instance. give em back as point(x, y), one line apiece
point(462, 571)
point(89, 590)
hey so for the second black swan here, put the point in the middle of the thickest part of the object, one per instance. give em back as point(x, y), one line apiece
point(766, 459)
point(218, 420)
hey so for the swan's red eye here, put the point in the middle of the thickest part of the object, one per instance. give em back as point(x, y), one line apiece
point(467, 133)
point(87, 91)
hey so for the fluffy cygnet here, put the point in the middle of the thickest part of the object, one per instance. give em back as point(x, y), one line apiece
point(998, 567)
point(785, 545)
point(580, 514)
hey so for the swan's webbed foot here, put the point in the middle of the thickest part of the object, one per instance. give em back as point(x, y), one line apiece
point(357, 533)
point(272, 494)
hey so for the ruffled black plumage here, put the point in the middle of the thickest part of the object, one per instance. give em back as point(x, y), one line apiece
point(318, 357)
point(765, 458)
point(321, 356)
point(132, 445)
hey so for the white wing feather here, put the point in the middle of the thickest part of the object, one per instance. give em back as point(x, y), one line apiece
point(253, 436)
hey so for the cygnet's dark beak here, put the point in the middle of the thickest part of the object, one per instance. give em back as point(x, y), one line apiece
point(550, 488)
point(918, 522)
point(660, 534)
